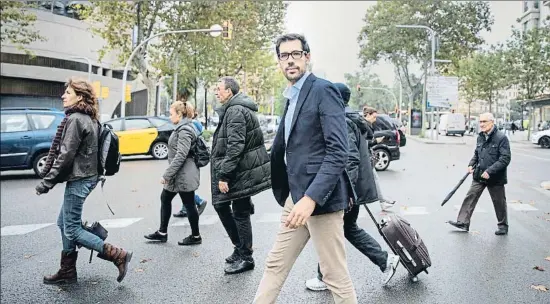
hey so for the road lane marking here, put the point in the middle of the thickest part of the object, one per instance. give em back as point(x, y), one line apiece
point(204, 220)
point(270, 218)
point(522, 207)
point(476, 210)
point(414, 211)
point(119, 223)
point(22, 229)
point(531, 156)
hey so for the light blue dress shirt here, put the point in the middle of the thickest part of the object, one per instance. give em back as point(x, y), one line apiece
point(291, 93)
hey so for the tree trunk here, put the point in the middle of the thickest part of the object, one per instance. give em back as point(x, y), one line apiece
point(490, 106)
point(151, 95)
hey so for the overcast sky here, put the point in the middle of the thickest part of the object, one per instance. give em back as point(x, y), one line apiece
point(332, 28)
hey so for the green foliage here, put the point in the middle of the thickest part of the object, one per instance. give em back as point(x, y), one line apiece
point(483, 75)
point(375, 98)
point(201, 58)
point(18, 24)
point(528, 61)
point(458, 25)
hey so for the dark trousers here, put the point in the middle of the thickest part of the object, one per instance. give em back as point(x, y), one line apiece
point(361, 240)
point(188, 200)
point(235, 217)
point(498, 196)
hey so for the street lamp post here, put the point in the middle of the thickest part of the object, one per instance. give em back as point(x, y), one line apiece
point(214, 31)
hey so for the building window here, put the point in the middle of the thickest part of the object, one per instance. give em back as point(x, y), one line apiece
point(525, 6)
point(536, 6)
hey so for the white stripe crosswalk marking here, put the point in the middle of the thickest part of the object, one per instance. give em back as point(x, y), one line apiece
point(204, 220)
point(522, 207)
point(269, 218)
point(119, 223)
point(22, 229)
point(476, 210)
point(414, 210)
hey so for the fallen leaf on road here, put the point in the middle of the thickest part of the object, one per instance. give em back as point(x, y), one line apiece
point(139, 206)
point(532, 203)
point(94, 282)
point(474, 232)
point(539, 288)
point(538, 268)
point(196, 254)
point(28, 256)
point(144, 260)
point(404, 207)
point(139, 269)
point(547, 258)
point(134, 190)
point(515, 202)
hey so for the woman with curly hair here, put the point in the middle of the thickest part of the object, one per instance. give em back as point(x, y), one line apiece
point(73, 158)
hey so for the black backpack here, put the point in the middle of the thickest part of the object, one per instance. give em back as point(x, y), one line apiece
point(201, 152)
point(109, 153)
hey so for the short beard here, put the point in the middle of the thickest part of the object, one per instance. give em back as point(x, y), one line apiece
point(296, 77)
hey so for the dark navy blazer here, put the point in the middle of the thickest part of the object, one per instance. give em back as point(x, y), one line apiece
point(317, 150)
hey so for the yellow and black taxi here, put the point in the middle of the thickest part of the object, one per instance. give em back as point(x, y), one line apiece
point(143, 135)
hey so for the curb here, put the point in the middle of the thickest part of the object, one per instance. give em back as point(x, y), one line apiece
point(434, 142)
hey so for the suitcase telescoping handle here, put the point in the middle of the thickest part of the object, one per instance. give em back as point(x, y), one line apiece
point(373, 219)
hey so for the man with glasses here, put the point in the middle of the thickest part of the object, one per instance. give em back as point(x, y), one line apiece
point(308, 162)
point(488, 166)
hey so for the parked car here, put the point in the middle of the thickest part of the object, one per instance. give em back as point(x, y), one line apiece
point(26, 137)
point(401, 128)
point(541, 138)
point(451, 124)
point(388, 149)
point(143, 135)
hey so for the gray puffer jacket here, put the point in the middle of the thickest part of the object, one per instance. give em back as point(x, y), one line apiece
point(182, 174)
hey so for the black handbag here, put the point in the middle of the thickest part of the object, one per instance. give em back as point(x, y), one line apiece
point(97, 230)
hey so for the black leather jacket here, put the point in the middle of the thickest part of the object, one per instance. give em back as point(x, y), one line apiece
point(78, 150)
point(492, 154)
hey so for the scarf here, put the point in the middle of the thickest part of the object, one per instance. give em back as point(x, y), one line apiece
point(53, 153)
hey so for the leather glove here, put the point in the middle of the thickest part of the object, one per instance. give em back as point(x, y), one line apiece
point(41, 189)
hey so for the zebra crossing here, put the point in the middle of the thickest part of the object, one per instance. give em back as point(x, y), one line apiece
point(212, 219)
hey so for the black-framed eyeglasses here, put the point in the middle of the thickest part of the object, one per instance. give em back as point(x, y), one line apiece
point(294, 54)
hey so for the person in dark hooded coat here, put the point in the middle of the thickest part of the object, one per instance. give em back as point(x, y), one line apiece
point(240, 168)
point(361, 177)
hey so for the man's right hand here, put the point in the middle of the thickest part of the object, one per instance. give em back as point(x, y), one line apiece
point(470, 169)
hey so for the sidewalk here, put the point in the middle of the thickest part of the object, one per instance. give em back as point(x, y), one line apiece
point(441, 140)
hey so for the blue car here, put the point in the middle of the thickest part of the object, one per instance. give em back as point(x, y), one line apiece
point(27, 134)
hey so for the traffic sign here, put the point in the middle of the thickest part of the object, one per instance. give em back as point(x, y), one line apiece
point(442, 91)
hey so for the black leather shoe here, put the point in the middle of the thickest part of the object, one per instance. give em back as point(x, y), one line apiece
point(156, 236)
point(242, 265)
point(182, 213)
point(502, 231)
point(190, 240)
point(234, 257)
point(458, 225)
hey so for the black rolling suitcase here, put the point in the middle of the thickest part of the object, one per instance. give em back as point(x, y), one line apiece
point(405, 242)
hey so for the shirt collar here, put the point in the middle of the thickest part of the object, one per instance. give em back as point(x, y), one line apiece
point(290, 91)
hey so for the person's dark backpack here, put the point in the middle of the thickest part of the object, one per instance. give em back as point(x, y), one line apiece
point(201, 152)
point(109, 153)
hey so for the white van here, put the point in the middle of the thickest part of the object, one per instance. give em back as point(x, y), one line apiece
point(453, 123)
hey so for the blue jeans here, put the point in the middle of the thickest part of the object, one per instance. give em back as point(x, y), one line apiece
point(70, 216)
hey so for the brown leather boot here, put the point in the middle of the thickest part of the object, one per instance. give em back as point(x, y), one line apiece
point(118, 256)
point(67, 273)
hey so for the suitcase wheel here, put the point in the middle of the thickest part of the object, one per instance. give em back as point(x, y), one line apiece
point(414, 279)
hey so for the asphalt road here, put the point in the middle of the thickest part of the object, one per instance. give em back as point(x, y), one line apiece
point(475, 267)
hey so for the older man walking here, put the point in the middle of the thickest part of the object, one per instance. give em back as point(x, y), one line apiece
point(488, 166)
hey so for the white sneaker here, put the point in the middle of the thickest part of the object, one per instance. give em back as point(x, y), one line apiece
point(316, 285)
point(385, 204)
point(393, 261)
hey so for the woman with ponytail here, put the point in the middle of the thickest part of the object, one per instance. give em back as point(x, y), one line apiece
point(182, 175)
point(73, 158)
